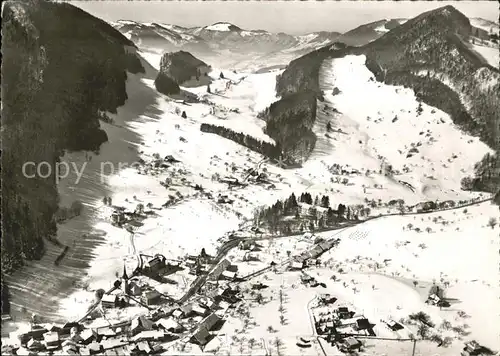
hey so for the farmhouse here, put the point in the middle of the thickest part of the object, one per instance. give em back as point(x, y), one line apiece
point(201, 337)
point(151, 297)
point(197, 309)
point(155, 265)
point(34, 345)
point(211, 321)
point(69, 348)
point(140, 324)
point(364, 325)
point(296, 266)
point(221, 267)
point(109, 300)
point(87, 335)
point(177, 314)
point(349, 344)
point(228, 275)
point(394, 325)
point(51, 340)
point(169, 324)
point(208, 303)
point(344, 313)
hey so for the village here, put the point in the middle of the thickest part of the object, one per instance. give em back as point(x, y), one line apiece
point(221, 286)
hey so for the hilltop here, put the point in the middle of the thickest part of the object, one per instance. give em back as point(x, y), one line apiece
point(429, 54)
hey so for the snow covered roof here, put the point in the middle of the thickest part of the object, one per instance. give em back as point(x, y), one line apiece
point(149, 335)
point(87, 334)
point(52, 336)
point(108, 298)
point(168, 323)
point(350, 341)
point(228, 274)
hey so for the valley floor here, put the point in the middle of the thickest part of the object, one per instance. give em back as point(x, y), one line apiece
point(384, 267)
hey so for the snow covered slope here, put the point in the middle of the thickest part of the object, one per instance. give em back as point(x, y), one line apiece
point(488, 26)
point(490, 54)
point(376, 124)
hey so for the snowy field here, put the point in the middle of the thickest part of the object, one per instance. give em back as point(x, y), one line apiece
point(491, 54)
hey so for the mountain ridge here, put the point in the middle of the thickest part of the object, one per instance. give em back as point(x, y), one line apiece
point(219, 36)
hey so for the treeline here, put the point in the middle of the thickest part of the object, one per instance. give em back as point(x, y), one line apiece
point(53, 53)
point(267, 149)
point(287, 216)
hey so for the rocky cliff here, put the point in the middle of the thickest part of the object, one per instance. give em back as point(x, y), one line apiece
point(181, 68)
point(61, 67)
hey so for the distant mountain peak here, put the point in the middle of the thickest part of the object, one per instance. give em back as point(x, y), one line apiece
point(127, 22)
point(223, 27)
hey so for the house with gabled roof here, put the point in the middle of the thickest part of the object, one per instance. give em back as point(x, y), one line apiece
point(170, 325)
point(51, 340)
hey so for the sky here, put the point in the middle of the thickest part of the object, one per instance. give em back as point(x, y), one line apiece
point(293, 17)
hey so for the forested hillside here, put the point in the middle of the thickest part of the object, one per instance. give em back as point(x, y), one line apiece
point(289, 122)
point(429, 54)
point(61, 67)
point(290, 119)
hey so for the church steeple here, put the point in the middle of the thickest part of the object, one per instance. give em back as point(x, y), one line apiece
point(124, 276)
point(125, 285)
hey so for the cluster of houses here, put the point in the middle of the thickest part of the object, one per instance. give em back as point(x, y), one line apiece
point(145, 334)
point(139, 337)
point(340, 326)
point(311, 255)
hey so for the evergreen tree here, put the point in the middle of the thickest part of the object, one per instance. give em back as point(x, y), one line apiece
point(316, 200)
point(325, 201)
point(321, 222)
point(330, 217)
point(221, 76)
point(208, 89)
point(341, 210)
point(328, 126)
point(183, 115)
